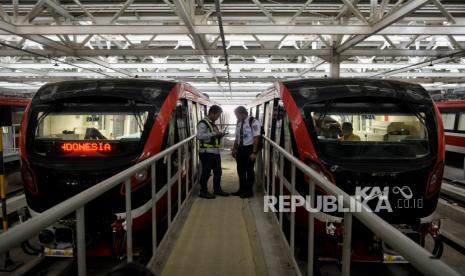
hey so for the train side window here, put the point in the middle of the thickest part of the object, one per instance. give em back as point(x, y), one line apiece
point(193, 117)
point(287, 145)
point(260, 114)
point(279, 124)
point(266, 119)
point(173, 136)
point(200, 109)
point(461, 126)
point(448, 120)
point(181, 123)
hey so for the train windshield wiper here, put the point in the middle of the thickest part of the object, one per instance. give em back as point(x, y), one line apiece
point(421, 117)
point(322, 116)
point(47, 111)
point(137, 115)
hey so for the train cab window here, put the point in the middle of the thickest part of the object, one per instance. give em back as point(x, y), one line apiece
point(77, 125)
point(461, 126)
point(351, 130)
point(448, 119)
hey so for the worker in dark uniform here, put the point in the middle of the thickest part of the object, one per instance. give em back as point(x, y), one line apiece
point(209, 137)
point(245, 150)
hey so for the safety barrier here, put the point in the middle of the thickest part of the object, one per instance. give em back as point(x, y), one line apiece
point(411, 251)
point(77, 203)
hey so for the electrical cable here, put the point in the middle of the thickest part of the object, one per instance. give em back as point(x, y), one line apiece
point(223, 40)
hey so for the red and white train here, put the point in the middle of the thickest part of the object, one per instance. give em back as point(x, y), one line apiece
point(396, 148)
point(453, 117)
point(15, 106)
point(75, 134)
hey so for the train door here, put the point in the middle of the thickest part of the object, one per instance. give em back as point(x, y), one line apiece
point(193, 120)
point(266, 126)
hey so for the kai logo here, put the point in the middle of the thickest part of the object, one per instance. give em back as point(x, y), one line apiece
point(367, 194)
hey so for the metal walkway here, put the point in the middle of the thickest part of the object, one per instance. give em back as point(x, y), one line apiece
point(220, 237)
point(226, 236)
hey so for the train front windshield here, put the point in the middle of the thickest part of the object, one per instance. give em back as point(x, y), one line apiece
point(104, 130)
point(370, 130)
point(91, 126)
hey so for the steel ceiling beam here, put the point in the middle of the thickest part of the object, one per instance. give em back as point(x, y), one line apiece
point(388, 20)
point(62, 48)
point(232, 52)
point(59, 9)
point(444, 11)
point(245, 75)
point(423, 64)
point(364, 30)
point(184, 15)
point(195, 81)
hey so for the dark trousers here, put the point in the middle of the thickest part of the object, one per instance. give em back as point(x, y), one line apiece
point(245, 168)
point(210, 161)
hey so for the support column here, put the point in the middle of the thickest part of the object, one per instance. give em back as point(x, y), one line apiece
point(335, 67)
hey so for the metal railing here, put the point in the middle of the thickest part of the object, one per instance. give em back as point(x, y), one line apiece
point(9, 143)
point(411, 251)
point(30, 228)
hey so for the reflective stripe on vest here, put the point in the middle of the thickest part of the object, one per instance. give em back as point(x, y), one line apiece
point(214, 141)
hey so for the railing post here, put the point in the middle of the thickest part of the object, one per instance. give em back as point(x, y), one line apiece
point(293, 192)
point(168, 185)
point(14, 136)
point(273, 174)
point(153, 171)
point(128, 220)
point(180, 165)
point(267, 166)
point(187, 160)
point(311, 230)
point(281, 184)
point(81, 241)
point(346, 246)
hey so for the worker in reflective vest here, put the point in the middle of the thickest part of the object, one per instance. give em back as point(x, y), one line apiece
point(209, 137)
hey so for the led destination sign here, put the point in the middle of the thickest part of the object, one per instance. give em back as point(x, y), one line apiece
point(86, 147)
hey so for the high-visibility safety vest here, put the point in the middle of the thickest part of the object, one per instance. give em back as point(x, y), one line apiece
point(214, 141)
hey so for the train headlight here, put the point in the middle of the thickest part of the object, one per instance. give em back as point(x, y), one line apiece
point(141, 175)
point(434, 181)
point(46, 236)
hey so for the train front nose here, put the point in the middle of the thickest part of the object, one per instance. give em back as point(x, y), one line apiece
point(396, 196)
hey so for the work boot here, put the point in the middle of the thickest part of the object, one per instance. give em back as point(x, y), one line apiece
point(246, 195)
point(221, 193)
point(207, 195)
point(238, 193)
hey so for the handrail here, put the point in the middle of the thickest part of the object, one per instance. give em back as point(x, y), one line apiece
point(417, 255)
point(31, 227)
